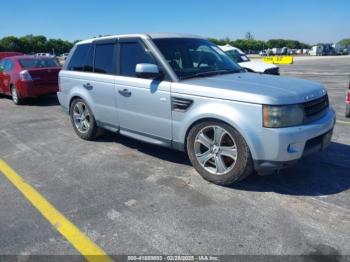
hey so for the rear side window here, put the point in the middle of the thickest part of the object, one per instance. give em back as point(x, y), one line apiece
point(104, 57)
point(81, 59)
point(131, 54)
point(89, 60)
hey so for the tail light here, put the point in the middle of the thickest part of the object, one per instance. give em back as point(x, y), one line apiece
point(25, 76)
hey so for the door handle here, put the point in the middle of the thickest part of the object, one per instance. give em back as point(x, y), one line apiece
point(125, 92)
point(88, 86)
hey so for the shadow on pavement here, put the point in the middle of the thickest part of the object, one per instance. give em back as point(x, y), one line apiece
point(160, 152)
point(48, 100)
point(323, 173)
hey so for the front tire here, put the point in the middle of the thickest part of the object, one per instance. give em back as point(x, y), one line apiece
point(219, 153)
point(83, 120)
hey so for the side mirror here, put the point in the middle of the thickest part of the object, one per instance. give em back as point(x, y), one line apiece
point(149, 71)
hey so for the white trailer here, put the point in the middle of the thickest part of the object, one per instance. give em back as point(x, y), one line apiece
point(316, 50)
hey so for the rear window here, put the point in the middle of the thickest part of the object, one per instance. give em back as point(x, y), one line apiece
point(38, 63)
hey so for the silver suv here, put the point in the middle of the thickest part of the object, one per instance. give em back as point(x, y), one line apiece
point(183, 92)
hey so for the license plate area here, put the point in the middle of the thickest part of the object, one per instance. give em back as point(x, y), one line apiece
point(318, 143)
point(327, 139)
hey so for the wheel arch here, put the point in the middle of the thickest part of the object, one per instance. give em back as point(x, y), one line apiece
point(242, 126)
point(86, 99)
point(198, 121)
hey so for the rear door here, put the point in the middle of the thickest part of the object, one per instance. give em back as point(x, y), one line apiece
point(144, 105)
point(90, 74)
point(102, 84)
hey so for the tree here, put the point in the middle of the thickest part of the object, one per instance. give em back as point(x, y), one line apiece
point(217, 41)
point(30, 44)
point(11, 43)
point(345, 42)
point(249, 36)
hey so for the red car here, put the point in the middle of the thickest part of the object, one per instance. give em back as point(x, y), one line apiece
point(28, 76)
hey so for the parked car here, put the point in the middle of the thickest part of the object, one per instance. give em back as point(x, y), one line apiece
point(64, 56)
point(347, 110)
point(8, 54)
point(28, 76)
point(183, 92)
point(45, 54)
point(241, 58)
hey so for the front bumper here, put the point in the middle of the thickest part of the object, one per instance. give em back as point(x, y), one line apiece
point(285, 146)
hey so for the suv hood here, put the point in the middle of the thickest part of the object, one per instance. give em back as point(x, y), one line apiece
point(252, 88)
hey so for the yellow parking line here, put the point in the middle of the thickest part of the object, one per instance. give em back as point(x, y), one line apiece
point(74, 236)
point(343, 122)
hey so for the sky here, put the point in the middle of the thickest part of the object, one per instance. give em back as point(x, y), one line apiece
point(309, 21)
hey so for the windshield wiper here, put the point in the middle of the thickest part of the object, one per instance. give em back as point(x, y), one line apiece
point(210, 73)
point(216, 72)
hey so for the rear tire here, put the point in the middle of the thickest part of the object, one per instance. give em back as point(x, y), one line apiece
point(347, 111)
point(83, 120)
point(16, 99)
point(219, 153)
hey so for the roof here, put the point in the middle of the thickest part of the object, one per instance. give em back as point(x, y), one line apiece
point(172, 35)
point(228, 47)
point(30, 57)
point(144, 36)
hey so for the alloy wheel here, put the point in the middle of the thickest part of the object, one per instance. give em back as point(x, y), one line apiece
point(215, 150)
point(81, 117)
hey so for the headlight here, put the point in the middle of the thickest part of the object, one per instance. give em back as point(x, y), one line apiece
point(283, 116)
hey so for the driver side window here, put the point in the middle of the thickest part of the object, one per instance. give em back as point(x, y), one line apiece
point(131, 54)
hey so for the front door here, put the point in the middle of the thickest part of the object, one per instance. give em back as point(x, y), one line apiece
point(144, 105)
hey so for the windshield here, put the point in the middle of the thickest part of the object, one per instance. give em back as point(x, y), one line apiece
point(237, 56)
point(195, 57)
point(38, 63)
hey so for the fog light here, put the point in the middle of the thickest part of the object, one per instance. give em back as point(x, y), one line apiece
point(294, 148)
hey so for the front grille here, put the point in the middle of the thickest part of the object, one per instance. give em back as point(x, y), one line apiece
point(316, 107)
point(272, 71)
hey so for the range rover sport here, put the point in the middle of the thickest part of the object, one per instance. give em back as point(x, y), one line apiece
point(183, 92)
